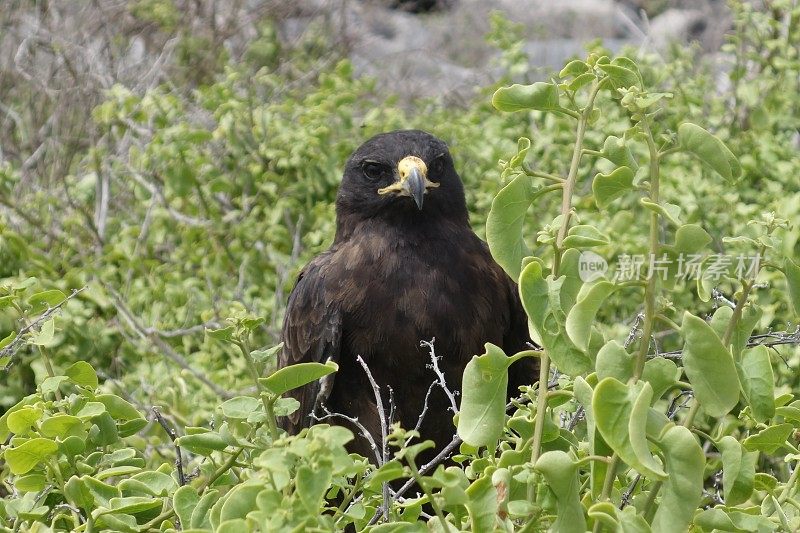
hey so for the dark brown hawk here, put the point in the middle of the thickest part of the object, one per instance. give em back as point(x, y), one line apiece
point(404, 266)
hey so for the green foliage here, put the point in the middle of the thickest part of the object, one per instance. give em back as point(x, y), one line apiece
point(659, 414)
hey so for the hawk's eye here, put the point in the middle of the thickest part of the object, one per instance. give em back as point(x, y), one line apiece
point(374, 171)
point(437, 168)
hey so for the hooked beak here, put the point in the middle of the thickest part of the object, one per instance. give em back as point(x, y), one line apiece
point(414, 186)
point(413, 180)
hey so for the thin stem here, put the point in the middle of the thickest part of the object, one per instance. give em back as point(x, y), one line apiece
point(538, 174)
point(787, 490)
point(569, 185)
point(269, 403)
point(650, 291)
point(566, 208)
point(608, 484)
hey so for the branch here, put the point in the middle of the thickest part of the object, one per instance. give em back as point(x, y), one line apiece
point(384, 432)
point(172, 436)
point(439, 375)
point(15, 345)
point(165, 348)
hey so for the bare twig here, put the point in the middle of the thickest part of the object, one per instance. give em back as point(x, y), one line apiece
point(353, 420)
point(384, 433)
point(165, 348)
point(172, 436)
point(439, 375)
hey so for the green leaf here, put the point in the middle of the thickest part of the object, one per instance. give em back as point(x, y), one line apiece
point(62, 426)
point(483, 402)
point(311, 485)
point(561, 475)
point(5, 341)
point(295, 376)
point(792, 272)
point(21, 421)
point(25, 457)
point(540, 96)
point(537, 299)
point(620, 414)
point(709, 367)
point(118, 408)
point(77, 493)
point(722, 519)
point(222, 334)
point(616, 150)
point(41, 301)
point(751, 315)
point(202, 443)
point(581, 81)
point(81, 373)
point(608, 187)
point(239, 501)
point(738, 470)
point(671, 212)
point(102, 493)
point(45, 335)
point(158, 483)
point(683, 490)
point(614, 361)
point(240, 407)
point(574, 68)
point(505, 223)
point(200, 514)
point(134, 504)
point(184, 501)
point(770, 439)
point(758, 382)
point(691, 238)
point(709, 149)
point(620, 76)
point(584, 236)
point(51, 384)
point(605, 513)
point(581, 316)
point(30, 483)
point(662, 374)
point(482, 504)
point(263, 356)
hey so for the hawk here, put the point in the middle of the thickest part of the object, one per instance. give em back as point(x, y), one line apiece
point(404, 266)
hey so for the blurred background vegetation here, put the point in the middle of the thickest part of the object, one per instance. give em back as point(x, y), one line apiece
point(180, 158)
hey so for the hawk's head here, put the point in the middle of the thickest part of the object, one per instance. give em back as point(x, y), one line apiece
point(405, 175)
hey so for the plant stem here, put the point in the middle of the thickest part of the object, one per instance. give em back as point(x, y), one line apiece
point(269, 403)
point(566, 208)
point(608, 484)
point(650, 290)
point(541, 408)
point(787, 490)
point(569, 185)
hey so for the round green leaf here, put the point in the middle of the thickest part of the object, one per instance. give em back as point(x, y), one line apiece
point(608, 187)
point(25, 457)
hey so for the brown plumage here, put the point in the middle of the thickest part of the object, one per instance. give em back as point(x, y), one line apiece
point(404, 266)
